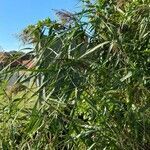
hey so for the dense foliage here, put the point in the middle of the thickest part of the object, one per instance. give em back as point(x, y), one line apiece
point(90, 84)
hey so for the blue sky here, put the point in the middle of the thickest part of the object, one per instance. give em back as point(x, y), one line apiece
point(15, 15)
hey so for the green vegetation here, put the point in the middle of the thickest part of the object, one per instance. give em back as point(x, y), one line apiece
point(89, 87)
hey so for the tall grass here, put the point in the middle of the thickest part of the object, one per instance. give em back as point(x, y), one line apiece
point(89, 87)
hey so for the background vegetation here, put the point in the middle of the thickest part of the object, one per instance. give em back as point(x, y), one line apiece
point(89, 86)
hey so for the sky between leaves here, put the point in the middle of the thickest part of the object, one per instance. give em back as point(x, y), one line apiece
point(15, 15)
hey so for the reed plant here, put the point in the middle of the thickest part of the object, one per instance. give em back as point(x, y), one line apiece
point(89, 88)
